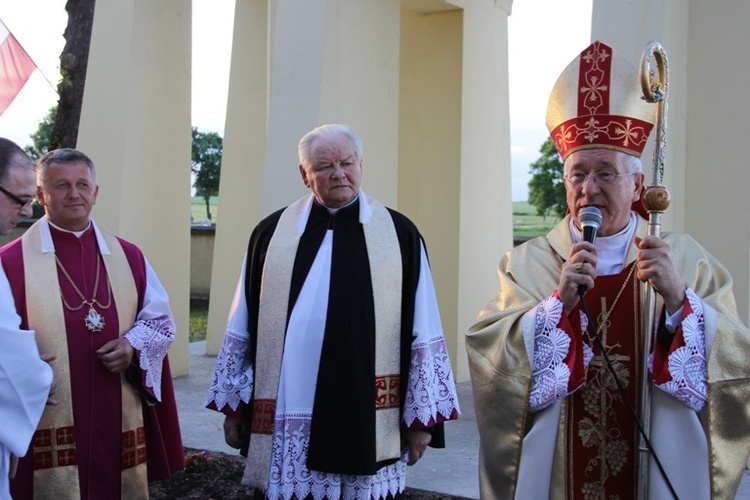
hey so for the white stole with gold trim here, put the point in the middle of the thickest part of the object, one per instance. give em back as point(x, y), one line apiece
point(384, 255)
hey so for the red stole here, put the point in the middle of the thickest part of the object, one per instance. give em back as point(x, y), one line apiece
point(601, 437)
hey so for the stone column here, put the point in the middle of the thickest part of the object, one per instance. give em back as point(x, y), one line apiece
point(241, 185)
point(329, 61)
point(135, 125)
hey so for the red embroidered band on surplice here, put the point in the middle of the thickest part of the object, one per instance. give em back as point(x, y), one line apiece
point(387, 392)
point(264, 412)
point(133, 448)
point(52, 452)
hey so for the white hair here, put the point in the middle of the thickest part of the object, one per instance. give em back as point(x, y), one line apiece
point(327, 131)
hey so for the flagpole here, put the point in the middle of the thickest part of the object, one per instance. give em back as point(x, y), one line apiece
point(10, 33)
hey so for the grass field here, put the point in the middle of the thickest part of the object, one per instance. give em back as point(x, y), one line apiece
point(198, 320)
point(527, 223)
point(198, 209)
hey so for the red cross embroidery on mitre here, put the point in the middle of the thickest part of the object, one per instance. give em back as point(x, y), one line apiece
point(594, 124)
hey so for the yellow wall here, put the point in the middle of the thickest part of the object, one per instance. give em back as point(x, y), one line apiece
point(429, 153)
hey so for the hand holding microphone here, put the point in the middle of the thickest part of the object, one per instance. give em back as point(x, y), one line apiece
point(590, 218)
point(577, 276)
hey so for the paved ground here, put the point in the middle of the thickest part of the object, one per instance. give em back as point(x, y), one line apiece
point(452, 470)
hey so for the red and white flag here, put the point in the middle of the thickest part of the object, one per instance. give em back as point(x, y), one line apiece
point(15, 67)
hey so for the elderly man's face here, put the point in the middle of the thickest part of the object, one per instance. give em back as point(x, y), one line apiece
point(21, 182)
point(68, 195)
point(334, 172)
point(614, 199)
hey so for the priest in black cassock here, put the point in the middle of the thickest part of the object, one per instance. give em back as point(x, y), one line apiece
point(333, 373)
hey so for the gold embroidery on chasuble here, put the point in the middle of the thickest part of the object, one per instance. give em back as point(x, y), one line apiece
point(601, 437)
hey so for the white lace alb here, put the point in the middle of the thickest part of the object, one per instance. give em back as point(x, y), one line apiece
point(431, 393)
point(232, 382)
point(290, 478)
point(152, 339)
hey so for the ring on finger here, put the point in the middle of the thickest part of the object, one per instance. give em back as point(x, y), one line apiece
point(578, 266)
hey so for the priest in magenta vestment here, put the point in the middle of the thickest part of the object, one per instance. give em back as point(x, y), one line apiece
point(96, 304)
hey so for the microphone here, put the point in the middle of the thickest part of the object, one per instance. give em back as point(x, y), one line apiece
point(590, 218)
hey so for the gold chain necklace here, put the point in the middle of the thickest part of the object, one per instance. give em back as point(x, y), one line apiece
point(603, 317)
point(94, 321)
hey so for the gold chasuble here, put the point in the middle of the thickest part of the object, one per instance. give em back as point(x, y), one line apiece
point(713, 444)
point(386, 273)
point(54, 448)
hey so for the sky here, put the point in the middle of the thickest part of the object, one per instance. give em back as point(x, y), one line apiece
point(544, 36)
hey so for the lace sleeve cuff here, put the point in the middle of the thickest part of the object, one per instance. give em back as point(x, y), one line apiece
point(431, 395)
point(151, 339)
point(682, 369)
point(232, 382)
point(560, 355)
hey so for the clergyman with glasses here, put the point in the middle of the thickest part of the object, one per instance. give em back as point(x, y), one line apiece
point(25, 379)
point(17, 184)
point(552, 421)
point(95, 303)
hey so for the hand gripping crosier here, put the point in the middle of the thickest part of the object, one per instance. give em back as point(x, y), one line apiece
point(656, 200)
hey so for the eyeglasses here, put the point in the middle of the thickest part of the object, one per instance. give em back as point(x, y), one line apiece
point(602, 178)
point(22, 202)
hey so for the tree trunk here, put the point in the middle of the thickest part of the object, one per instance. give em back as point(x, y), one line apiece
point(208, 207)
point(73, 63)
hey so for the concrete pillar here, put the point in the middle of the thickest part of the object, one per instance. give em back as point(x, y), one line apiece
point(718, 174)
point(343, 70)
point(429, 152)
point(454, 151)
point(485, 220)
point(241, 185)
point(135, 125)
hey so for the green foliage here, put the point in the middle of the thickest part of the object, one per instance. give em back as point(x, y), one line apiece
point(206, 165)
point(42, 138)
point(198, 320)
point(546, 188)
point(37, 210)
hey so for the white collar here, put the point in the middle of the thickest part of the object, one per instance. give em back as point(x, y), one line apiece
point(48, 245)
point(613, 250)
point(365, 211)
point(612, 242)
